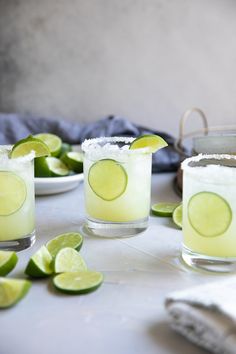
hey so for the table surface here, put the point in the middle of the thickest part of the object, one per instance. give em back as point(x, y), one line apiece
point(126, 315)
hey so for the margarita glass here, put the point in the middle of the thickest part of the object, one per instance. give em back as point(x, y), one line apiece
point(209, 212)
point(17, 213)
point(117, 186)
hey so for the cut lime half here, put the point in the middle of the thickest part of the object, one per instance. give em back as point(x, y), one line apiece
point(53, 142)
point(8, 262)
point(209, 214)
point(69, 260)
point(152, 142)
point(108, 179)
point(69, 239)
point(56, 167)
point(178, 216)
point(164, 209)
point(25, 146)
point(12, 291)
point(78, 282)
point(73, 160)
point(40, 264)
point(12, 193)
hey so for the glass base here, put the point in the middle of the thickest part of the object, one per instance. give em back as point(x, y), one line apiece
point(208, 263)
point(115, 229)
point(19, 244)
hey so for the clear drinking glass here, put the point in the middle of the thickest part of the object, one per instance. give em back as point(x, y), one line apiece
point(117, 186)
point(17, 204)
point(209, 212)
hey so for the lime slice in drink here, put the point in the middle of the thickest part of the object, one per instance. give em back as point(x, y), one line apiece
point(177, 216)
point(164, 209)
point(12, 193)
point(69, 260)
point(25, 146)
point(209, 214)
point(12, 291)
point(52, 141)
point(69, 239)
point(8, 261)
point(73, 160)
point(56, 167)
point(108, 179)
point(152, 142)
point(40, 264)
point(65, 148)
point(78, 282)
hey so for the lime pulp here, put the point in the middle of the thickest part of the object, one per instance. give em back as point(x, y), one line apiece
point(78, 282)
point(164, 209)
point(151, 141)
point(69, 260)
point(8, 260)
point(25, 146)
point(69, 239)
point(12, 291)
point(53, 142)
point(40, 264)
point(178, 215)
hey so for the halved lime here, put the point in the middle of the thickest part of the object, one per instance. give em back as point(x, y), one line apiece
point(41, 168)
point(108, 179)
point(69, 239)
point(65, 148)
point(57, 167)
point(78, 282)
point(178, 215)
point(40, 264)
point(53, 141)
point(153, 142)
point(74, 160)
point(12, 193)
point(209, 214)
point(25, 146)
point(69, 260)
point(164, 209)
point(12, 291)
point(8, 260)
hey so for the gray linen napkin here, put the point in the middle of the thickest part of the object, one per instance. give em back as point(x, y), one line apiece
point(206, 315)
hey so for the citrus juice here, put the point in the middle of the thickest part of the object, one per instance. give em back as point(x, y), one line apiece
point(16, 196)
point(209, 206)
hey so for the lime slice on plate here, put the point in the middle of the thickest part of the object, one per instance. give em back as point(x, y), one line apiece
point(78, 282)
point(40, 264)
point(12, 193)
point(69, 260)
point(108, 179)
point(178, 215)
point(209, 214)
point(41, 168)
point(164, 209)
point(65, 148)
point(25, 146)
point(12, 291)
point(153, 142)
point(56, 167)
point(69, 239)
point(8, 261)
point(74, 161)
point(53, 142)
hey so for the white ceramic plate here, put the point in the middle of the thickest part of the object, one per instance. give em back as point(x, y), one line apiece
point(54, 185)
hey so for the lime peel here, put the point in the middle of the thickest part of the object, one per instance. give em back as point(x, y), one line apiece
point(40, 264)
point(8, 260)
point(164, 209)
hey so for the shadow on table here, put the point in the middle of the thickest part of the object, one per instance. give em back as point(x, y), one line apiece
point(172, 342)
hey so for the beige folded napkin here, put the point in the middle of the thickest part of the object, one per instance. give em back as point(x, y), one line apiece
point(206, 315)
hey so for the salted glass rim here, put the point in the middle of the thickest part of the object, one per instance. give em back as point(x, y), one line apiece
point(91, 145)
point(186, 164)
point(5, 158)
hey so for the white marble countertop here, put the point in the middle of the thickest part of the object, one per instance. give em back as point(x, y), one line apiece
point(126, 314)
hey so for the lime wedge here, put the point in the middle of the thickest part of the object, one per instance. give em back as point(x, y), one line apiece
point(74, 161)
point(40, 264)
point(177, 216)
point(209, 214)
point(108, 179)
point(12, 193)
point(65, 148)
point(12, 291)
point(41, 168)
point(56, 167)
point(69, 260)
point(25, 146)
point(52, 141)
point(69, 239)
point(153, 142)
point(78, 282)
point(164, 209)
point(8, 261)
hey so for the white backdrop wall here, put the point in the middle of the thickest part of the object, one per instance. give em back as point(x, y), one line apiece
point(147, 60)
